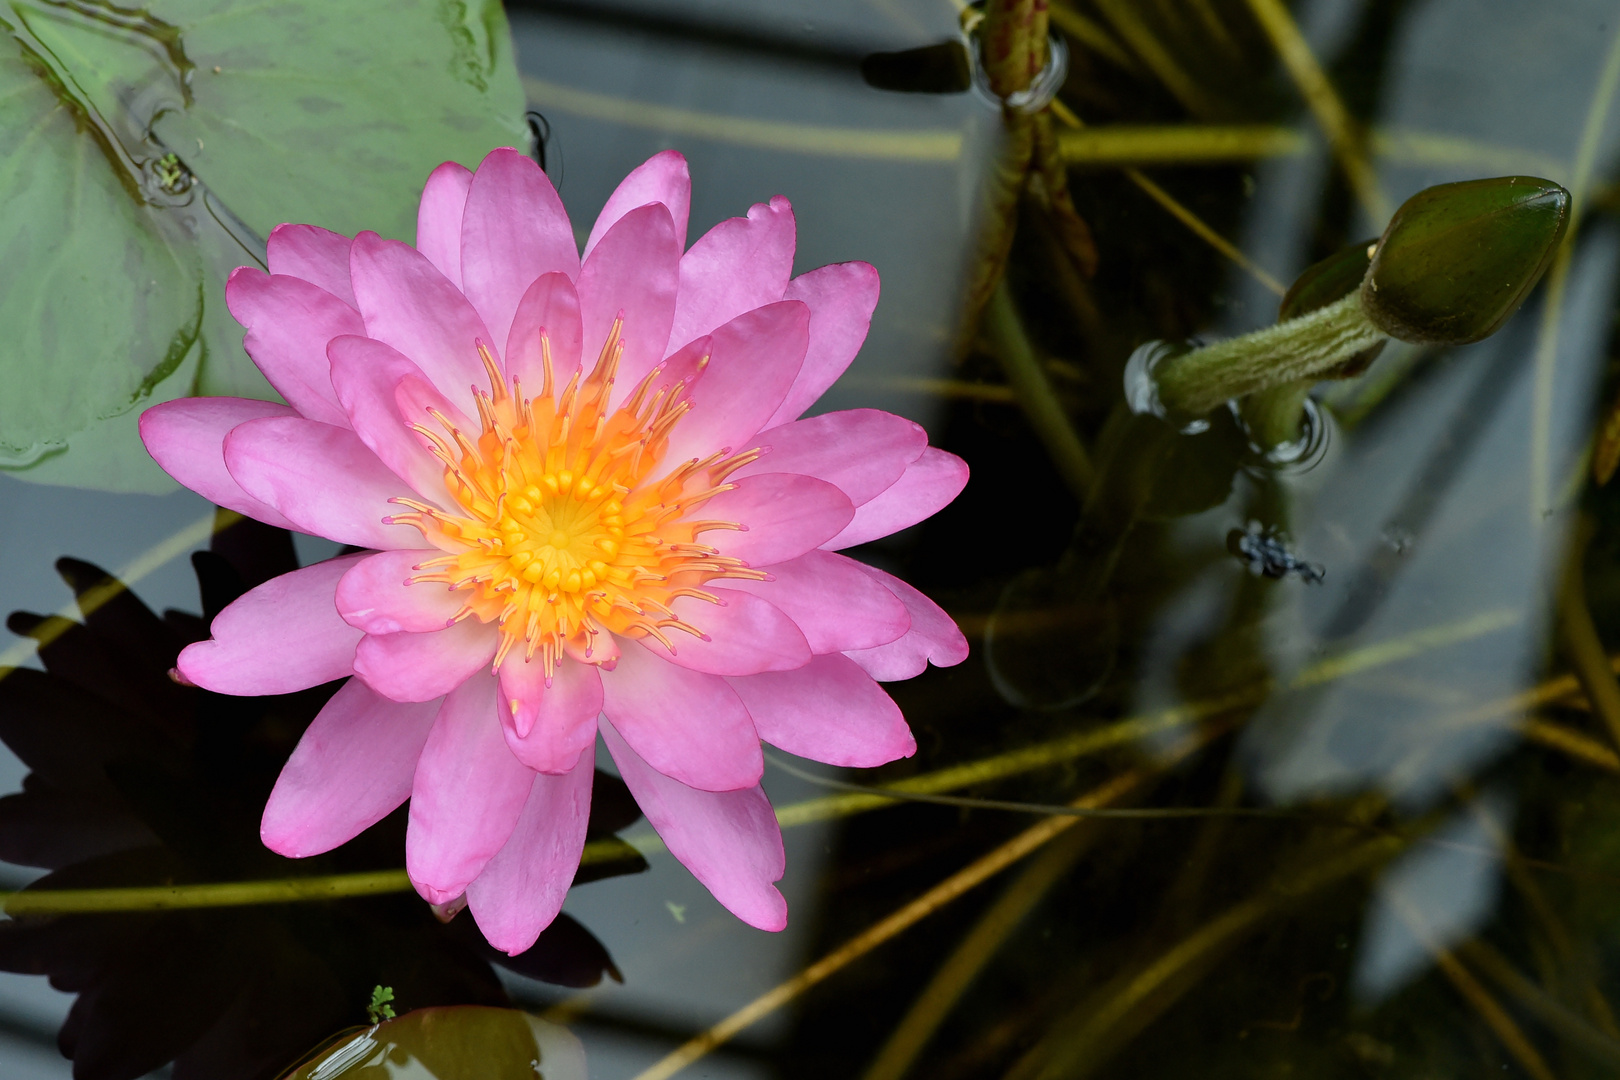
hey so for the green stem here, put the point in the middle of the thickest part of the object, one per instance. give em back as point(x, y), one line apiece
point(220, 894)
point(1303, 348)
point(235, 893)
point(1274, 417)
point(1135, 729)
point(1034, 391)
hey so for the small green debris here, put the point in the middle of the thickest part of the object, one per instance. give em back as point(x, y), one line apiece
point(677, 910)
point(172, 174)
point(379, 1009)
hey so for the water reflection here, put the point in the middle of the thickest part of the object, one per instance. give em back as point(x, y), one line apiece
point(1448, 795)
point(137, 780)
point(450, 1044)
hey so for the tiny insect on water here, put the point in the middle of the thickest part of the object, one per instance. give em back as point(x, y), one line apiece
point(1266, 553)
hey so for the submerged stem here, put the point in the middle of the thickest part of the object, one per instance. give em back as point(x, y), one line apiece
point(1035, 393)
point(1299, 349)
point(1275, 417)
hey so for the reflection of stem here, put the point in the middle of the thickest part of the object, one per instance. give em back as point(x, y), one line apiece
point(1275, 417)
point(1501, 1024)
point(1147, 725)
point(1178, 211)
point(1580, 635)
point(1154, 988)
point(1558, 737)
point(224, 894)
point(940, 146)
point(952, 887)
point(1003, 188)
point(237, 893)
point(93, 598)
point(1597, 113)
point(1600, 1046)
point(1125, 18)
point(1203, 231)
point(1092, 36)
point(1324, 103)
point(934, 1004)
point(1035, 393)
point(986, 770)
point(1576, 964)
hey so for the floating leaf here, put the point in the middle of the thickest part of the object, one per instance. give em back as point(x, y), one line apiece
point(147, 152)
point(463, 1042)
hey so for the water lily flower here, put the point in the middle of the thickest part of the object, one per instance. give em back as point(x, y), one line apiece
point(588, 503)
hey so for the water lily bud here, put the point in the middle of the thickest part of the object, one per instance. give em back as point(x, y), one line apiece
point(1458, 259)
point(1334, 278)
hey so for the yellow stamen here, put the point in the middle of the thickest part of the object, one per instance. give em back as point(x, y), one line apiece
point(566, 526)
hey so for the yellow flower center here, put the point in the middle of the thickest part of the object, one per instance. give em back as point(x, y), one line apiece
point(566, 526)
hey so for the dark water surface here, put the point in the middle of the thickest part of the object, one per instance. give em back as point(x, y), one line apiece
point(1400, 855)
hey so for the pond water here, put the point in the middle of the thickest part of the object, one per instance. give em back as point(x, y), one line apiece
point(1379, 783)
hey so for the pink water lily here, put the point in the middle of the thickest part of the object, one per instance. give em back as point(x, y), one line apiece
point(588, 505)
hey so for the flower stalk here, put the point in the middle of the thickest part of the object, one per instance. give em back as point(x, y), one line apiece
point(1303, 348)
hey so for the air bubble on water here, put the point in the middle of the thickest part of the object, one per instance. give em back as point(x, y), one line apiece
point(1398, 539)
point(1305, 452)
point(1141, 388)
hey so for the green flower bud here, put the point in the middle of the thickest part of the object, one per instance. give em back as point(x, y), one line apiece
point(1323, 283)
point(1458, 259)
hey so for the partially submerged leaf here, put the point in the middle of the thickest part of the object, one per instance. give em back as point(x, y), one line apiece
point(463, 1042)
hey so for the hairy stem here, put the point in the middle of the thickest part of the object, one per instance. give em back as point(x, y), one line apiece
point(1303, 348)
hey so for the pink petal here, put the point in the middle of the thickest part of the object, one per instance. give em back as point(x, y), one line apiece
point(686, 724)
point(549, 727)
point(187, 438)
point(282, 636)
point(739, 265)
point(321, 478)
point(752, 362)
point(523, 887)
point(550, 304)
point(829, 710)
point(685, 365)
point(863, 451)
point(633, 270)
point(319, 256)
point(933, 637)
point(438, 218)
point(832, 599)
point(366, 375)
point(352, 768)
point(927, 487)
point(409, 304)
point(841, 298)
point(745, 634)
point(514, 230)
point(289, 321)
point(467, 794)
point(376, 596)
point(783, 514)
point(422, 666)
point(729, 840)
point(662, 178)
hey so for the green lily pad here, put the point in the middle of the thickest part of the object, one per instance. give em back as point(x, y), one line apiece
point(147, 152)
point(462, 1042)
